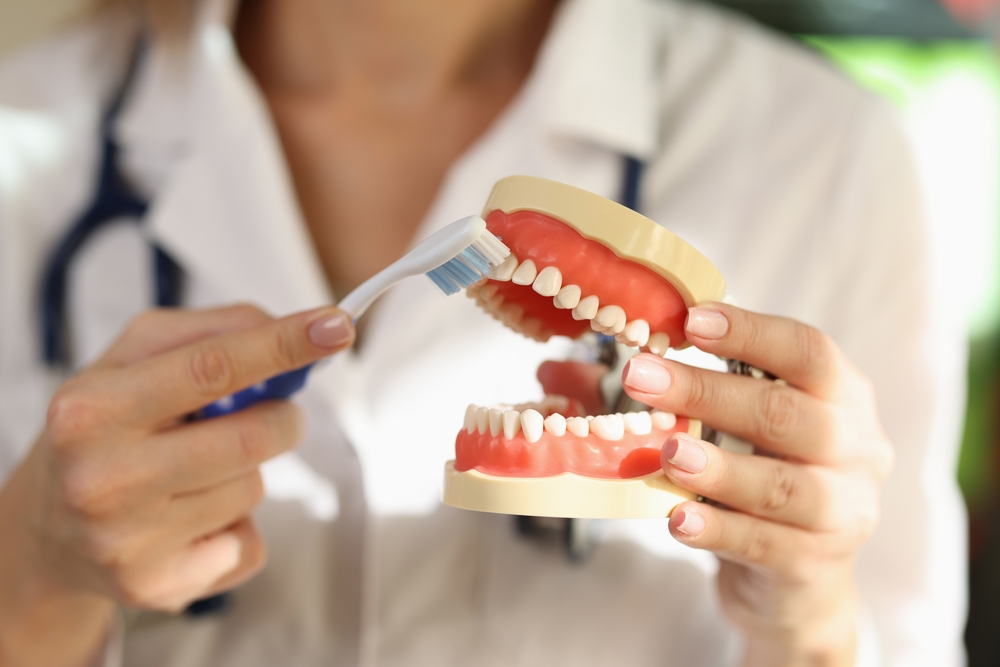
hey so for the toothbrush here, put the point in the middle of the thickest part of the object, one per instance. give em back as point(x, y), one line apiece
point(453, 258)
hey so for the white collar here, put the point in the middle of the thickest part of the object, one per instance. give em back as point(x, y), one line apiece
point(600, 57)
point(197, 133)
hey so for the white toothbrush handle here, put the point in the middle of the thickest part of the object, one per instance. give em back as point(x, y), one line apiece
point(437, 249)
point(356, 303)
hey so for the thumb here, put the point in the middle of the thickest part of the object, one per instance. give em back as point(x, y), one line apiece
point(162, 329)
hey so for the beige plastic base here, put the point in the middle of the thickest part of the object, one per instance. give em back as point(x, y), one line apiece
point(566, 495)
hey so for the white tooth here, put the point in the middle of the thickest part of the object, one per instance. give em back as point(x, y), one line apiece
point(659, 343)
point(505, 270)
point(483, 419)
point(589, 418)
point(578, 426)
point(496, 421)
point(612, 317)
point(637, 332)
point(490, 305)
point(555, 403)
point(531, 327)
point(511, 423)
point(532, 425)
point(511, 312)
point(555, 424)
point(568, 297)
point(663, 420)
point(587, 308)
point(488, 291)
point(639, 423)
point(608, 427)
point(525, 274)
point(548, 282)
point(470, 419)
point(597, 326)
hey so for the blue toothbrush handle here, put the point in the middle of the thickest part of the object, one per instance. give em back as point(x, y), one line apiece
point(278, 387)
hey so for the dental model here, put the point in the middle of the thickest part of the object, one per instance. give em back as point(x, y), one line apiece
point(578, 263)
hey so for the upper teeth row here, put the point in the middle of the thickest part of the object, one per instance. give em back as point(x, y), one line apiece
point(609, 320)
point(530, 422)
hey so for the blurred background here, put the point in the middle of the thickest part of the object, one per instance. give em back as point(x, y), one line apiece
point(936, 61)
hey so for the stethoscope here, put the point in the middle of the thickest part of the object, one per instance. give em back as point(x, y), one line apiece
point(115, 200)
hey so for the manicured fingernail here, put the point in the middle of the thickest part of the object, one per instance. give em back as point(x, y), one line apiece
point(682, 451)
point(706, 323)
point(646, 375)
point(691, 523)
point(333, 331)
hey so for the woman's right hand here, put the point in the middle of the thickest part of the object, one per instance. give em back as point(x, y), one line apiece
point(122, 499)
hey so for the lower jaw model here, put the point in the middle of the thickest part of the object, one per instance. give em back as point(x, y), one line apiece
point(578, 263)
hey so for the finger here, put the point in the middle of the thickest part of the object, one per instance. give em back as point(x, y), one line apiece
point(574, 380)
point(181, 381)
point(162, 329)
point(778, 418)
point(768, 488)
point(195, 515)
point(797, 353)
point(786, 550)
point(203, 568)
point(200, 454)
point(253, 556)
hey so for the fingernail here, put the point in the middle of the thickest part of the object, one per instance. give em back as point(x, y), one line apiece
point(647, 376)
point(682, 451)
point(706, 323)
point(691, 524)
point(332, 332)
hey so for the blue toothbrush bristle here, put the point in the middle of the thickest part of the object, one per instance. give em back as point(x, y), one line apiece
point(470, 266)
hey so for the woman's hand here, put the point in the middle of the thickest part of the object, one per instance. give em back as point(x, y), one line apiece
point(787, 523)
point(123, 499)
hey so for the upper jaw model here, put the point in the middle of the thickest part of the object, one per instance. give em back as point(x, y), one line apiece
point(579, 262)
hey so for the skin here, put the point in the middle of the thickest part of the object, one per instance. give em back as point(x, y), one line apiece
point(368, 94)
point(788, 522)
point(121, 500)
point(787, 526)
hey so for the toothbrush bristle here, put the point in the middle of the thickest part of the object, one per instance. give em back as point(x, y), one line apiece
point(471, 265)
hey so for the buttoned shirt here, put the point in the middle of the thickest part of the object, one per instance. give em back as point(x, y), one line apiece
point(795, 183)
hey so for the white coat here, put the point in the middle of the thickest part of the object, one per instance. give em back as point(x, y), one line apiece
point(796, 184)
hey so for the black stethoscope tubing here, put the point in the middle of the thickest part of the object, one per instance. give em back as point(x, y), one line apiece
point(114, 200)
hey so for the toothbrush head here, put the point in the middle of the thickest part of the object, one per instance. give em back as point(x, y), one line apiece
point(453, 258)
point(483, 253)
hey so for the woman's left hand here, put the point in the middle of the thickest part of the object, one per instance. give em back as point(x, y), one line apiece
point(787, 523)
